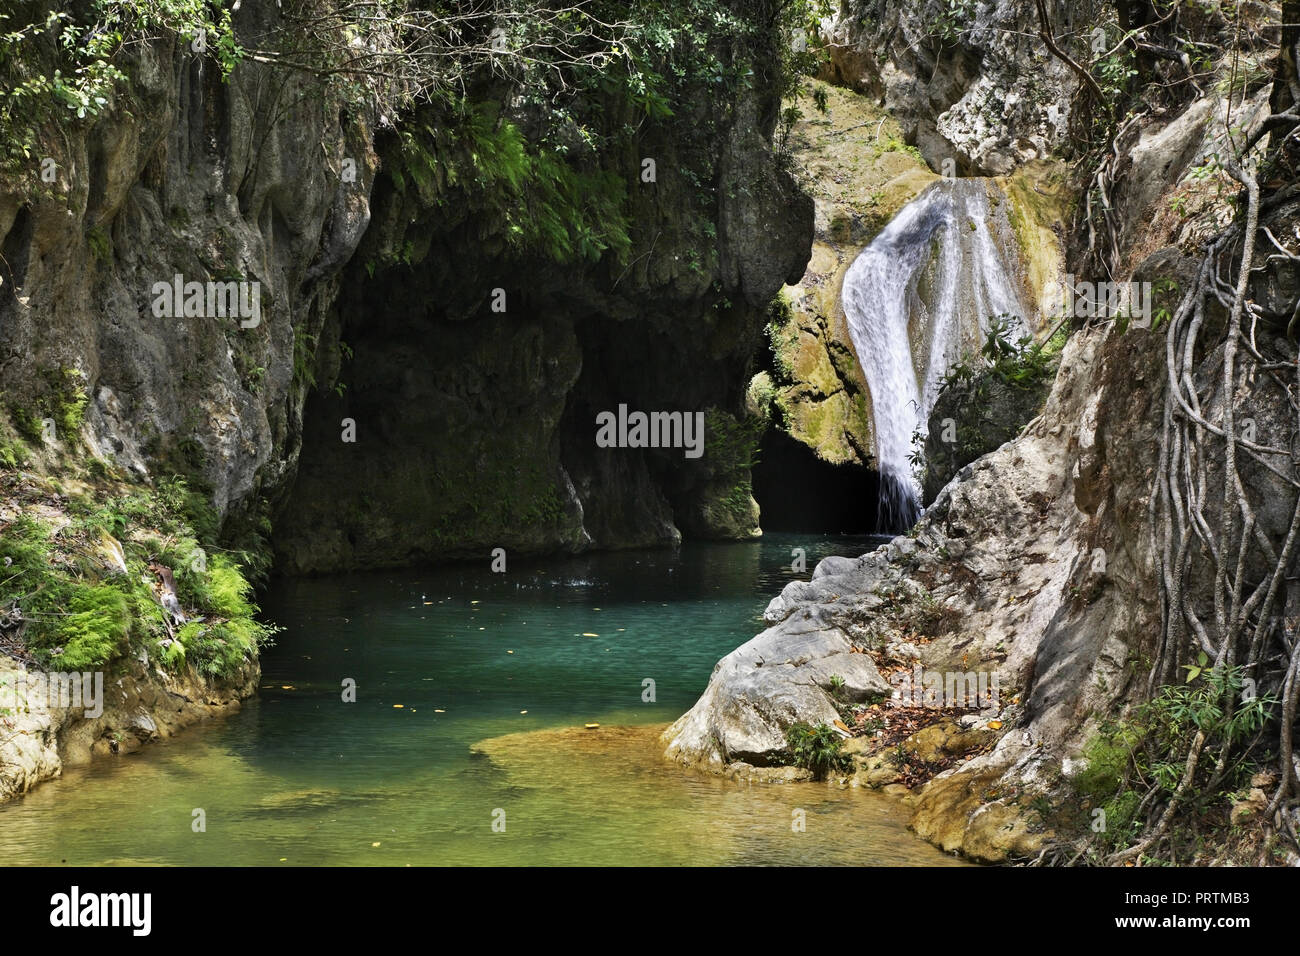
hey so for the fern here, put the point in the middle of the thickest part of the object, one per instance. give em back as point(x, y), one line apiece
point(541, 203)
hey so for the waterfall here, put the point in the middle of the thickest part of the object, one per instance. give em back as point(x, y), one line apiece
point(915, 299)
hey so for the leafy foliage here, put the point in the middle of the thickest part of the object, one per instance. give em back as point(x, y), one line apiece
point(548, 152)
point(546, 206)
point(1023, 364)
point(94, 628)
point(955, 17)
point(818, 749)
point(59, 66)
point(976, 384)
point(1127, 757)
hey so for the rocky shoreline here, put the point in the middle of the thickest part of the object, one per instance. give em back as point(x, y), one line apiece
point(999, 577)
point(140, 706)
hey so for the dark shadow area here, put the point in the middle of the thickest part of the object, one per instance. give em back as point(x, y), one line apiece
point(797, 491)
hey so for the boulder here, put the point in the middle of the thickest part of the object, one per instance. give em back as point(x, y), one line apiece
point(758, 690)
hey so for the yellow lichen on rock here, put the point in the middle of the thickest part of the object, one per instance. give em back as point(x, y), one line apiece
point(1039, 211)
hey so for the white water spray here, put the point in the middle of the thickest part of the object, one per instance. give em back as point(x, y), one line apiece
point(907, 336)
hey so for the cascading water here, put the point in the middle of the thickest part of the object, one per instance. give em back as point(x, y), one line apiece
point(906, 338)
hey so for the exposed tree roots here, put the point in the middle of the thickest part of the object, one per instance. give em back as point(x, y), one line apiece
point(1207, 535)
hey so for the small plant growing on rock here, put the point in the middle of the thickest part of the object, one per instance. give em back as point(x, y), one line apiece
point(817, 749)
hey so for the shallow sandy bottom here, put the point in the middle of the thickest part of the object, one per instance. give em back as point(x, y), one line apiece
point(689, 817)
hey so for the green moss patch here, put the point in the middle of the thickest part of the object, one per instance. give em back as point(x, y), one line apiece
point(84, 571)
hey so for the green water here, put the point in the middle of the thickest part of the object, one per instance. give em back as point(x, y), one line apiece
point(493, 673)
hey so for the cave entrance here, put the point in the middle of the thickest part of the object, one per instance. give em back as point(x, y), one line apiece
point(797, 491)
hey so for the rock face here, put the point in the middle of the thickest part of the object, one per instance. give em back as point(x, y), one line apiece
point(474, 427)
point(970, 420)
point(971, 83)
point(194, 180)
point(1156, 202)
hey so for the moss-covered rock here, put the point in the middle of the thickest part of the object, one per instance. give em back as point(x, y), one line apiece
point(1040, 207)
point(968, 81)
point(853, 162)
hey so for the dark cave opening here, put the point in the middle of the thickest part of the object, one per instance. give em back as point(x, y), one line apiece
point(797, 491)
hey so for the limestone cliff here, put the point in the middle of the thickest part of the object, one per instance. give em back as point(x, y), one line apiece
point(474, 374)
point(268, 177)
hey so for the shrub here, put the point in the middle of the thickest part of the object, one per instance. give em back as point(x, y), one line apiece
point(227, 590)
point(817, 749)
point(220, 648)
point(80, 614)
point(14, 454)
point(1148, 751)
